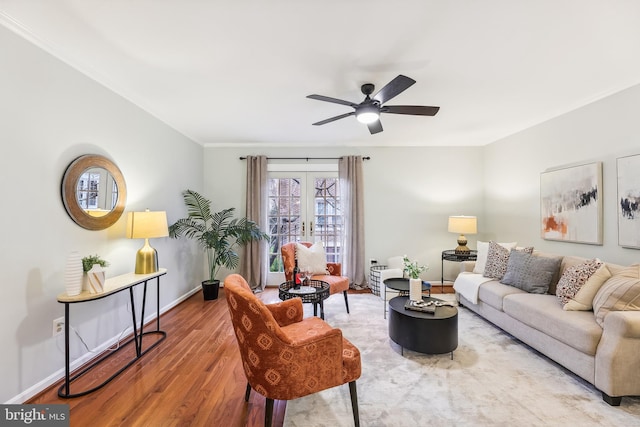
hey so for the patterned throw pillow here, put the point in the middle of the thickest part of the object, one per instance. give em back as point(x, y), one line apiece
point(483, 252)
point(576, 288)
point(620, 293)
point(497, 259)
point(530, 273)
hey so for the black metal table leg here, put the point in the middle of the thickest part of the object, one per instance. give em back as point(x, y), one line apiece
point(66, 349)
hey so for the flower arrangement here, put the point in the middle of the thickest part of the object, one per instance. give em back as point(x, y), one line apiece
point(412, 268)
point(88, 261)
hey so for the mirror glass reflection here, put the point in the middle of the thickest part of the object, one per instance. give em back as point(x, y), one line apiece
point(96, 192)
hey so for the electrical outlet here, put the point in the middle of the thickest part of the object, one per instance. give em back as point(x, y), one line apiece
point(58, 326)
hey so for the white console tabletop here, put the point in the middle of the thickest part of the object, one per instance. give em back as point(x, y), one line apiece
point(111, 286)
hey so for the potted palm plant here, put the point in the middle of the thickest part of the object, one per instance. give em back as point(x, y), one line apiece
point(218, 234)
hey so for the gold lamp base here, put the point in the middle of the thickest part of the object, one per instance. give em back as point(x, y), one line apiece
point(462, 248)
point(146, 259)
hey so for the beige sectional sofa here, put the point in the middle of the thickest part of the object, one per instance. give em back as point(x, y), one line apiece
point(607, 356)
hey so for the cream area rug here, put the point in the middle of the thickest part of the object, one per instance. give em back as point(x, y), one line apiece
point(493, 380)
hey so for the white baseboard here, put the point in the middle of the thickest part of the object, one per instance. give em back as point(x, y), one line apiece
point(59, 374)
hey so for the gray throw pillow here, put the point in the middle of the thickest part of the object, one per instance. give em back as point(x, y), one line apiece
point(498, 258)
point(530, 273)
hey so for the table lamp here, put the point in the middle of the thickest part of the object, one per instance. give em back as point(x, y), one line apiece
point(463, 225)
point(147, 225)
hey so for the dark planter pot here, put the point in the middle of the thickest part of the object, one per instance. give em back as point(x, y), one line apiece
point(210, 289)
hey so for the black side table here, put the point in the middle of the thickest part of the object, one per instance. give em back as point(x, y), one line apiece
point(451, 255)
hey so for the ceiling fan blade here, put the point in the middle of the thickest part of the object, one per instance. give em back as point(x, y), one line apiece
point(394, 88)
point(416, 110)
point(333, 119)
point(375, 127)
point(334, 100)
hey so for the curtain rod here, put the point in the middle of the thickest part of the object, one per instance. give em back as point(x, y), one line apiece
point(307, 158)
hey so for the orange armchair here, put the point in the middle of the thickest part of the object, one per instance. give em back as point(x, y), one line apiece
point(337, 282)
point(285, 356)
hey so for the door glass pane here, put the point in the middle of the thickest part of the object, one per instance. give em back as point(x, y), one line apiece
point(327, 217)
point(284, 217)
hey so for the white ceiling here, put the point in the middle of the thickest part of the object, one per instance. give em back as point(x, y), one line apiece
point(237, 72)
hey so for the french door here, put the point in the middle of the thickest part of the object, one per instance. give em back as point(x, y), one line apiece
point(303, 206)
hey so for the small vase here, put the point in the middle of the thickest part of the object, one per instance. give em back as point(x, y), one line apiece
point(73, 274)
point(415, 289)
point(96, 277)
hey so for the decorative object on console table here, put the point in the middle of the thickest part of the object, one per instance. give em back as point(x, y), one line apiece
point(147, 225)
point(218, 233)
point(463, 225)
point(571, 204)
point(96, 278)
point(94, 273)
point(73, 274)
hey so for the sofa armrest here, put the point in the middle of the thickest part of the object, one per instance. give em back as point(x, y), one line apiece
point(467, 266)
point(617, 370)
point(625, 324)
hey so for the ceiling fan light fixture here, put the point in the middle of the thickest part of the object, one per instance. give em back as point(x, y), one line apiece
point(367, 114)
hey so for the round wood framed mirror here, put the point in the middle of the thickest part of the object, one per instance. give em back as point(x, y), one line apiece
point(94, 192)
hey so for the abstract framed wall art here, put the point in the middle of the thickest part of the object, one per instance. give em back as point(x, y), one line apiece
point(571, 204)
point(629, 201)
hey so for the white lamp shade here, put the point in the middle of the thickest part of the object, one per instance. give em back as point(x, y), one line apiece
point(463, 224)
point(147, 225)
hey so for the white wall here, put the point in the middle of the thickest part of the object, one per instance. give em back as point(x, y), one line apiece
point(51, 114)
point(602, 131)
point(409, 194)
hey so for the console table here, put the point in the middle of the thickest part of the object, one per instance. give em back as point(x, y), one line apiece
point(112, 286)
point(451, 255)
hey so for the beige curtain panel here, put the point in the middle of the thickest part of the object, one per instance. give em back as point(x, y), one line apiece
point(352, 188)
point(254, 265)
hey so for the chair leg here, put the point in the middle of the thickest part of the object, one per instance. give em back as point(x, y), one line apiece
point(268, 413)
point(346, 301)
point(354, 403)
point(247, 393)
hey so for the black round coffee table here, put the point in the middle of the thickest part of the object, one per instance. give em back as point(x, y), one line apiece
point(314, 292)
point(423, 332)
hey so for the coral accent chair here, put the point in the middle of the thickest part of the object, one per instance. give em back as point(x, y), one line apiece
point(337, 282)
point(285, 356)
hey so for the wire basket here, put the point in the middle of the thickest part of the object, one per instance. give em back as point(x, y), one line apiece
point(374, 278)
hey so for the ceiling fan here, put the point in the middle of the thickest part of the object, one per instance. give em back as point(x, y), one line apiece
point(368, 111)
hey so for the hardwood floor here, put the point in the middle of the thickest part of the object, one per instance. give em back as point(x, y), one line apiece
point(193, 378)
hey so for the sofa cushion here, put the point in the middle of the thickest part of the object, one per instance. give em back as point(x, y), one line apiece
point(493, 292)
point(529, 272)
point(620, 293)
point(483, 252)
point(577, 329)
point(579, 284)
point(497, 259)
